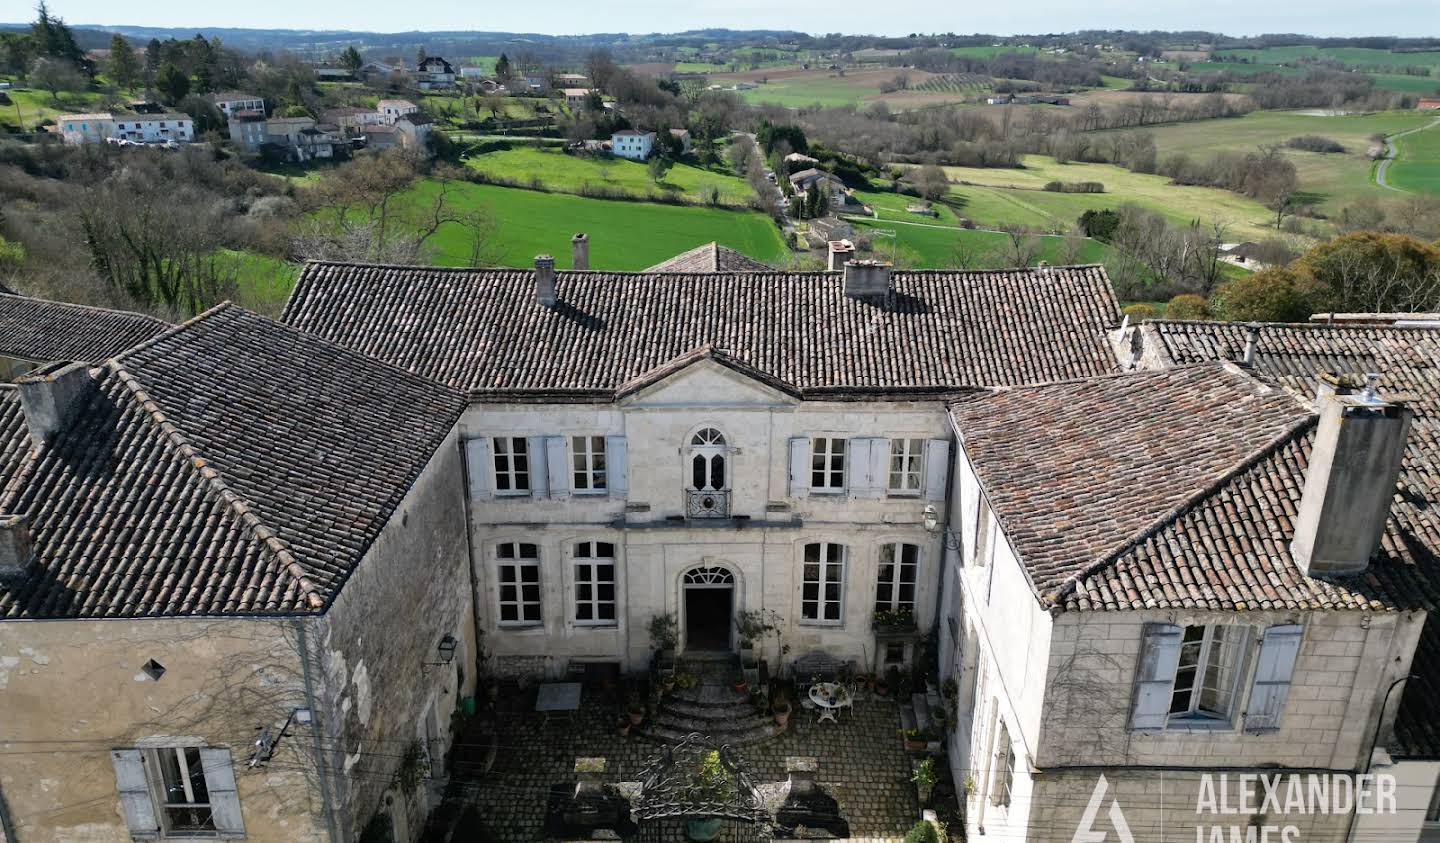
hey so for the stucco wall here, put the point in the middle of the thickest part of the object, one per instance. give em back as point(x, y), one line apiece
point(411, 589)
point(654, 545)
point(70, 691)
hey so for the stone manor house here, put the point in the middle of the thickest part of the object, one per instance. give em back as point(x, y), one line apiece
point(1150, 552)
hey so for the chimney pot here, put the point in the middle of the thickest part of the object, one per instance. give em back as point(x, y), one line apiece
point(580, 251)
point(1350, 482)
point(16, 549)
point(867, 278)
point(545, 280)
point(51, 395)
point(1252, 336)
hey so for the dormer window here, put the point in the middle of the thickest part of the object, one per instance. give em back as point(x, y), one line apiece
point(708, 490)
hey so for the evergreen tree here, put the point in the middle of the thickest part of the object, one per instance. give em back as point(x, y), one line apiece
point(152, 60)
point(351, 60)
point(172, 83)
point(124, 65)
point(502, 67)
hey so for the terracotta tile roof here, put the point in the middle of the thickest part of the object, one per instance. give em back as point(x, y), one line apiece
point(230, 466)
point(44, 331)
point(483, 330)
point(711, 257)
point(1408, 360)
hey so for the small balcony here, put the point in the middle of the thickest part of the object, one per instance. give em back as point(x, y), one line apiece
point(707, 503)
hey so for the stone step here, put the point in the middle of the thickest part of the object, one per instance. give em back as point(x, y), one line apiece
point(710, 727)
point(707, 694)
point(660, 732)
point(703, 711)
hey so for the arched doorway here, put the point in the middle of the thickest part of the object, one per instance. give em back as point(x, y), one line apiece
point(708, 595)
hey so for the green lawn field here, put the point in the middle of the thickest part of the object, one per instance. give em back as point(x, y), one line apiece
point(1417, 167)
point(569, 173)
point(30, 106)
point(932, 247)
point(623, 235)
point(1352, 56)
point(1337, 178)
point(1013, 196)
point(820, 87)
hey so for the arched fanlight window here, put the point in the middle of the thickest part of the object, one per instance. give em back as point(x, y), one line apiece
point(708, 436)
point(709, 576)
point(707, 474)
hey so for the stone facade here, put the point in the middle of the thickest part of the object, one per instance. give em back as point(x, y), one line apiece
point(1060, 688)
point(760, 545)
point(359, 669)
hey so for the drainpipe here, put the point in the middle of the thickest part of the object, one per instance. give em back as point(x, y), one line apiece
point(470, 561)
point(7, 826)
point(321, 764)
point(1374, 742)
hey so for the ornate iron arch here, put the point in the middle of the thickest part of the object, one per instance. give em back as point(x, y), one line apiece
point(699, 779)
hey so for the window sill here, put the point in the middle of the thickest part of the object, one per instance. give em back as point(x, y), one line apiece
point(826, 624)
point(520, 627)
point(601, 625)
point(837, 493)
point(891, 493)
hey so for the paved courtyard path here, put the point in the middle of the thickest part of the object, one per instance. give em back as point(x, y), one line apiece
point(861, 762)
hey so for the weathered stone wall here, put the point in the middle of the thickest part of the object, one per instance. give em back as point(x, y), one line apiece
point(380, 697)
point(70, 691)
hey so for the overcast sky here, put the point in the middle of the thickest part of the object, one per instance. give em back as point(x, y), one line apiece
point(894, 17)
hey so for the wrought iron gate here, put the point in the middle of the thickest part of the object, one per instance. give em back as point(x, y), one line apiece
point(701, 782)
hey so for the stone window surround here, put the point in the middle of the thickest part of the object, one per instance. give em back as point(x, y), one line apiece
point(825, 579)
point(519, 603)
point(594, 582)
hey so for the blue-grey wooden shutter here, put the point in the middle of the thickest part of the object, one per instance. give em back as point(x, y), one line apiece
point(617, 468)
point(799, 466)
point(479, 463)
point(864, 481)
point(880, 465)
point(1278, 650)
point(937, 468)
point(1155, 676)
point(538, 450)
point(220, 782)
point(134, 790)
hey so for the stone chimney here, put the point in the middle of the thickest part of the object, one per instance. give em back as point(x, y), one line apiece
point(16, 550)
point(51, 395)
point(1350, 484)
point(580, 251)
point(841, 251)
point(545, 280)
point(867, 278)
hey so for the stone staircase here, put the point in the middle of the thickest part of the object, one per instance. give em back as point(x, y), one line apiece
point(712, 707)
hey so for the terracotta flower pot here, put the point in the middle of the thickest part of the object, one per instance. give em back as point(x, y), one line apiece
point(637, 716)
point(781, 712)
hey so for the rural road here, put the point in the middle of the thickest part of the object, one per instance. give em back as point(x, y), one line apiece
point(1390, 154)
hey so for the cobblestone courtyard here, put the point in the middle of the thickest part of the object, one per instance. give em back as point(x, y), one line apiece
point(862, 763)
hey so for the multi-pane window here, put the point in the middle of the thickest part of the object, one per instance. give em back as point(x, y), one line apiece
point(827, 464)
point(907, 466)
point(895, 584)
point(518, 574)
point(588, 455)
point(822, 590)
point(595, 583)
point(1004, 769)
point(185, 798)
point(1206, 674)
point(512, 465)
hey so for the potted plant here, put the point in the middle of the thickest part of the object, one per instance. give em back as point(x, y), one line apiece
point(894, 620)
point(923, 775)
point(741, 687)
point(913, 739)
point(685, 680)
point(636, 711)
point(781, 711)
point(709, 782)
point(664, 635)
point(760, 700)
point(623, 726)
point(882, 688)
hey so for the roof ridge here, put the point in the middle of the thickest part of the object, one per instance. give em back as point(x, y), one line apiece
point(1332, 326)
point(806, 273)
point(1289, 434)
point(242, 509)
point(996, 391)
point(177, 328)
point(92, 308)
